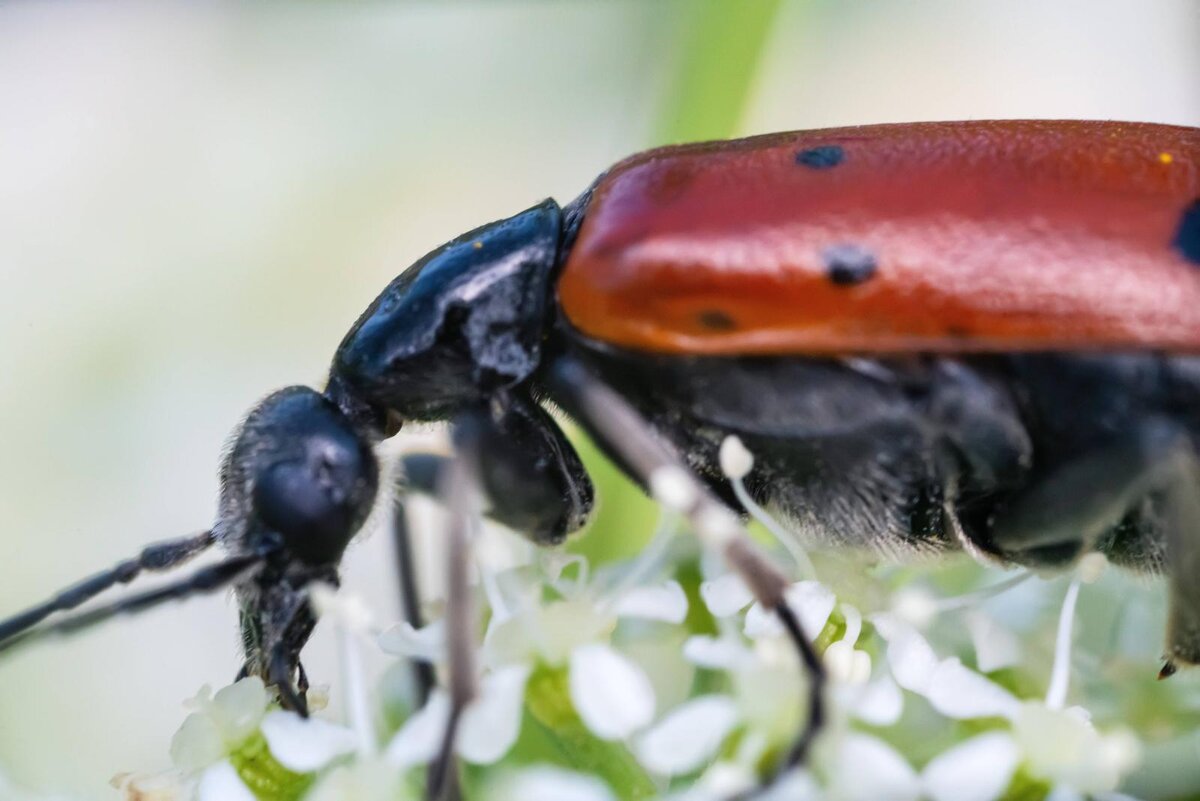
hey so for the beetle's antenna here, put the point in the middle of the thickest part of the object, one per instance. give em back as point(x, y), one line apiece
point(619, 427)
point(457, 489)
point(206, 579)
point(153, 558)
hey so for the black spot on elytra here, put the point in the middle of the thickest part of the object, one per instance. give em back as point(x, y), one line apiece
point(715, 320)
point(821, 158)
point(848, 264)
point(1187, 238)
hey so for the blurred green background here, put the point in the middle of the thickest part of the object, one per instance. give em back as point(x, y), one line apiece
point(197, 200)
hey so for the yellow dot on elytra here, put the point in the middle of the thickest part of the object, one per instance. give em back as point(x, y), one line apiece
point(1165, 158)
point(479, 245)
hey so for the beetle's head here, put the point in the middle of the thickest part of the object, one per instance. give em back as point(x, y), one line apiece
point(298, 471)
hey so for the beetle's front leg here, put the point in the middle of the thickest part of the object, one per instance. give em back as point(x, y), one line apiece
point(532, 480)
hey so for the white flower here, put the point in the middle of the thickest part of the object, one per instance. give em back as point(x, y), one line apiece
point(487, 730)
point(953, 689)
point(726, 595)
point(686, 739)
point(304, 745)
point(365, 780)
point(867, 769)
point(427, 644)
point(979, 769)
point(611, 693)
point(544, 783)
point(812, 602)
point(222, 783)
point(1057, 746)
point(220, 723)
point(769, 692)
point(996, 647)
point(846, 664)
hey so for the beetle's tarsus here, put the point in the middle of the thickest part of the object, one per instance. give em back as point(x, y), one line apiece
point(798, 753)
point(1169, 669)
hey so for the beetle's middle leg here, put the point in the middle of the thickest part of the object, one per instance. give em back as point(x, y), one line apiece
point(652, 461)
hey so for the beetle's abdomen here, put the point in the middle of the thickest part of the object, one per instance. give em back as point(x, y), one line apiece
point(946, 237)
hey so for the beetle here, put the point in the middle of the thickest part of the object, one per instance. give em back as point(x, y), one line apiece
point(979, 336)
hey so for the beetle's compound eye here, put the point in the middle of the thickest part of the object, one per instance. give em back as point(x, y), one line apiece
point(317, 484)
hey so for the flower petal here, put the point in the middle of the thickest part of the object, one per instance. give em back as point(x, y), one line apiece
point(909, 655)
point(419, 738)
point(689, 736)
point(868, 769)
point(959, 692)
point(610, 693)
point(197, 744)
point(350, 611)
point(222, 783)
point(305, 744)
point(427, 643)
point(879, 703)
point(1062, 747)
point(717, 653)
point(797, 785)
point(812, 602)
point(666, 602)
point(238, 708)
point(995, 646)
point(369, 780)
point(491, 724)
point(544, 783)
point(978, 769)
point(726, 595)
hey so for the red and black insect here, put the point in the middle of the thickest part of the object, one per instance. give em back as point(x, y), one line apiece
point(978, 335)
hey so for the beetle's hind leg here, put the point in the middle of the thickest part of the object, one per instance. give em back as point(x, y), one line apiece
point(621, 430)
point(1067, 512)
point(1181, 497)
point(153, 558)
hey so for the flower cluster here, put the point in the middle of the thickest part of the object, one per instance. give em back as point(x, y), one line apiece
point(662, 678)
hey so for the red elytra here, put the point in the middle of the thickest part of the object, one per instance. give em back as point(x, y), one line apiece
point(975, 236)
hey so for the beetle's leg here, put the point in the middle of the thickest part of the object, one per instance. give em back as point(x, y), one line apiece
point(458, 485)
point(652, 461)
point(205, 579)
point(1066, 512)
point(531, 478)
point(1182, 500)
point(287, 620)
point(410, 593)
point(280, 661)
point(156, 557)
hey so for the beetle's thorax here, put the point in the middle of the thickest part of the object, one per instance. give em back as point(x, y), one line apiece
point(462, 323)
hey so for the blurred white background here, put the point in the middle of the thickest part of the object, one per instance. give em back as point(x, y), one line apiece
point(197, 200)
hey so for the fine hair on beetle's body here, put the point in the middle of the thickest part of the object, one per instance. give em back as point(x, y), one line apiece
point(733, 288)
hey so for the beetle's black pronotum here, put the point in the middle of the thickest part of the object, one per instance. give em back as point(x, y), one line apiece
point(897, 399)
